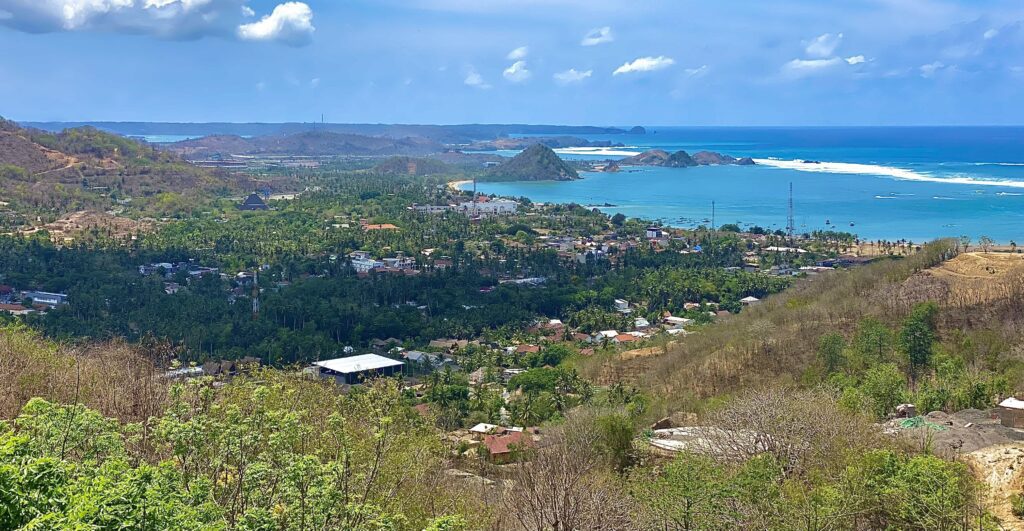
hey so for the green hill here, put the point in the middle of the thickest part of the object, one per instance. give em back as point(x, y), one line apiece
point(50, 174)
point(536, 163)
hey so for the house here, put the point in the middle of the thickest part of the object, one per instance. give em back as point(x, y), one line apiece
point(749, 301)
point(654, 233)
point(626, 338)
point(622, 306)
point(501, 448)
point(607, 334)
point(486, 429)
point(1011, 413)
point(253, 202)
point(356, 369)
point(676, 321)
point(15, 309)
point(527, 349)
point(640, 323)
point(44, 297)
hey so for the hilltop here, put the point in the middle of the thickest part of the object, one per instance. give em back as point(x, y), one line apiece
point(85, 168)
point(682, 159)
point(536, 163)
point(309, 143)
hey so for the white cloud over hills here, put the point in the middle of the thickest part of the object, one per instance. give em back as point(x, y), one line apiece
point(289, 22)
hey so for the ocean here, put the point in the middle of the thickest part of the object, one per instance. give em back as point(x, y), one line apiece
point(891, 183)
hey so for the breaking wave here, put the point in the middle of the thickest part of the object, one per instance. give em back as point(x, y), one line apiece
point(848, 168)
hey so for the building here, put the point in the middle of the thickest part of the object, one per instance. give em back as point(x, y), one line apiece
point(654, 233)
point(253, 202)
point(356, 369)
point(622, 306)
point(749, 301)
point(501, 448)
point(15, 309)
point(1011, 413)
point(362, 262)
point(44, 297)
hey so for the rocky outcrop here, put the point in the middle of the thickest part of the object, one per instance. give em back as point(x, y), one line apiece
point(682, 159)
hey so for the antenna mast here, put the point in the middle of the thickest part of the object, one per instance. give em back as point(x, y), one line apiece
point(790, 224)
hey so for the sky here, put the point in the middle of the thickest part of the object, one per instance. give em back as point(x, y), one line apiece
point(586, 62)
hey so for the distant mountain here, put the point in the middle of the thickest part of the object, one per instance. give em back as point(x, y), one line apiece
point(309, 143)
point(536, 163)
point(446, 134)
point(682, 159)
point(549, 141)
point(85, 168)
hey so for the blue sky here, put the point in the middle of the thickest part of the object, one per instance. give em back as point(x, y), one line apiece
point(653, 62)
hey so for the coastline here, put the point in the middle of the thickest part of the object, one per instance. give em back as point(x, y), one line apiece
point(456, 186)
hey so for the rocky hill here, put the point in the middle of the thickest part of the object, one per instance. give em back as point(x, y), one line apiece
point(682, 159)
point(87, 169)
point(536, 163)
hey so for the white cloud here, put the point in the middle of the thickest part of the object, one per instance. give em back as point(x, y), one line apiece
point(290, 23)
point(518, 53)
point(474, 79)
point(314, 83)
point(931, 69)
point(991, 34)
point(572, 76)
point(700, 71)
point(517, 72)
point(598, 36)
point(855, 59)
point(170, 19)
point(823, 45)
point(811, 65)
point(645, 64)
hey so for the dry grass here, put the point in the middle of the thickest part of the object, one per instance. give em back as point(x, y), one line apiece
point(774, 343)
point(114, 378)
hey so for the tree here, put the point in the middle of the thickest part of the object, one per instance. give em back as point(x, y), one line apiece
point(830, 351)
point(965, 241)
point(917, 337)
point(986, 243)
point(884, 388)
point(618, 219)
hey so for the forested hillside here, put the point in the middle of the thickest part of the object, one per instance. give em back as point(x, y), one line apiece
point(49, 174)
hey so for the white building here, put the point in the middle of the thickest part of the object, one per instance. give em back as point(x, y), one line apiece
point(362, 262)
point(355, 369)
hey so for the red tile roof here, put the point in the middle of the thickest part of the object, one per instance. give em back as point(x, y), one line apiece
point(622, 338)
point(503, 444)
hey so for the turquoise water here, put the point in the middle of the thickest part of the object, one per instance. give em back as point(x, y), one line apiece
point(889, 183)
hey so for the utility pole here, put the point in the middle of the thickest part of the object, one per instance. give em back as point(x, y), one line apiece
point(790, 224)
point(713, 229)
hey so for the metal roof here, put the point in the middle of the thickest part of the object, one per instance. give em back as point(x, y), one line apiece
point(364, 362)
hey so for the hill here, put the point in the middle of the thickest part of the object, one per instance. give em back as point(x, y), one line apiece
point(412, 166)
point(309, 143)
point(50, 174)
point(449, 134)
point(536, 163)
point(682, 159)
